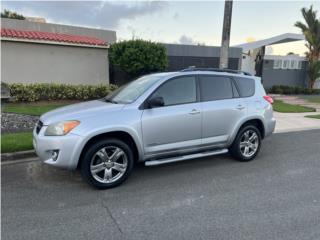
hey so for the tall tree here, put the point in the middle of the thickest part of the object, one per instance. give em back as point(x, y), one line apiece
point(13, 15)
point(311, 31)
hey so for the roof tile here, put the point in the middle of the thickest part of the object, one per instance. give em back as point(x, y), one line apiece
point(52, 37)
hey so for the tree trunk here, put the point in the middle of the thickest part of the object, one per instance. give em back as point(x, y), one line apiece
point(226, 34)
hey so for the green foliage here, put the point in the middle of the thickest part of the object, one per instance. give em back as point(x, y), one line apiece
point(14, 142)
point(314, 116)
point(8, 14)
point(35, 109)
point(138, 57)
point(280, 106)
point(288, 90)
point(52, 91)
point(313, 70)
point(311, 31)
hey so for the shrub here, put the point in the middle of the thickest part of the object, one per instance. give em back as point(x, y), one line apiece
point(53, 91)
point(281, 89)
point(138, 57)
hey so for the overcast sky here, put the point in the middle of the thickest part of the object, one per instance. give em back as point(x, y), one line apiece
point(189, 22)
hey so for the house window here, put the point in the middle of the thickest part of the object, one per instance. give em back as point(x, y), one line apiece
point(277, 64)
point(299, 64)
point(293, 64)
point(285, 64)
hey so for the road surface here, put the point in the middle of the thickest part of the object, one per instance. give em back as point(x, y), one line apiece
point(277, 196)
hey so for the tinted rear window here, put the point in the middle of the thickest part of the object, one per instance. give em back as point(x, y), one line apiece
point(246, 86)
point(215, 88)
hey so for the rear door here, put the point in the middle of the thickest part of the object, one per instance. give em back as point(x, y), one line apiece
point(221, 107)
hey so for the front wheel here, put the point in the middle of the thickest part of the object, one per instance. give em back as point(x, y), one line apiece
point(247, 143)
point(107, 163)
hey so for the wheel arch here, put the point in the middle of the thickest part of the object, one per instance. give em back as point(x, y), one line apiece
point(256, 121)
point(118, 134)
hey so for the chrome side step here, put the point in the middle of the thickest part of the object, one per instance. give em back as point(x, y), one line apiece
point(183, 158)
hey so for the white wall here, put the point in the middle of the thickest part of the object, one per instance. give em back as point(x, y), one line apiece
point(46, 63)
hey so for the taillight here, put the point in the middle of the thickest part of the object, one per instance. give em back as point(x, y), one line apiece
point(268, 99)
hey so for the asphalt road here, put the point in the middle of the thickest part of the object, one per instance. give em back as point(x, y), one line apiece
point(277, 196)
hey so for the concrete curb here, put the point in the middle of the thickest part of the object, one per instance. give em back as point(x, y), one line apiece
point(18, 155)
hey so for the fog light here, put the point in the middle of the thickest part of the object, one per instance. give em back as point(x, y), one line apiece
point(54, 155)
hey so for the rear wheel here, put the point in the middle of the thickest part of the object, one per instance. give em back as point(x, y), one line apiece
point(247, 143)
point(107, 163)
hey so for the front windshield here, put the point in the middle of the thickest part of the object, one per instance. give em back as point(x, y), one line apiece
point(130, 92)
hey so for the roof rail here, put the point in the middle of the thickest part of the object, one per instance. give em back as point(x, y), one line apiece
point(193, 68)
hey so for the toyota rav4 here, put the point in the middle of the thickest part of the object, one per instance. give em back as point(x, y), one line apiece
point(156, 119)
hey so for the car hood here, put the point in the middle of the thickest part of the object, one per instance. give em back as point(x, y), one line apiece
point(79, 111)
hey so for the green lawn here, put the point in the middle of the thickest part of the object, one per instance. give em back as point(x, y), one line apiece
point(13, 142)
point(36, 109)
point(312, 98)
point(280, 106)
point(314, 116)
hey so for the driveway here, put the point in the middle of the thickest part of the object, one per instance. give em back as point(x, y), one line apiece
point(288, 122)
point(277, 196)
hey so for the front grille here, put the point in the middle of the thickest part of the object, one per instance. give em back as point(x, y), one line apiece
point(39, 126)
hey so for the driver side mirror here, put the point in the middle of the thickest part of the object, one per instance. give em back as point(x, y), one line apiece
point(155, 102)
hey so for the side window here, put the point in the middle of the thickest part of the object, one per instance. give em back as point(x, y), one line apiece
point(178, 91)
point(246, 86)
point(215, 88)
point(235, 91)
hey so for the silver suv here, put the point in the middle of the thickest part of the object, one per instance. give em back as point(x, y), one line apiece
point(156, 119)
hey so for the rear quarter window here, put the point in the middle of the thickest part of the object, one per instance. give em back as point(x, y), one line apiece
point(246, 86)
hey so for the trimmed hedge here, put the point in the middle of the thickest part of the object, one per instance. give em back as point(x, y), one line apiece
point(52, 91)
point(281, 89)
point(138, 57)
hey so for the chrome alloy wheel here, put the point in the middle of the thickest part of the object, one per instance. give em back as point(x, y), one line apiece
point(249, 143)
point(108, 164)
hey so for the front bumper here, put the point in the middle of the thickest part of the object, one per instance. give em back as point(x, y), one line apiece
point(68, 148)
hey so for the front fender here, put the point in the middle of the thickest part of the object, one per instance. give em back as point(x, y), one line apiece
point(131, 131)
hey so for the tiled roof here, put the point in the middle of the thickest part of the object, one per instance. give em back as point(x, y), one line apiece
point(51, 37)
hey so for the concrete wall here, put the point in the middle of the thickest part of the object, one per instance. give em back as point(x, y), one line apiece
point(288, 77)
point(183, 56)
point(199, 51)
point(46, 63)
point(109, 36)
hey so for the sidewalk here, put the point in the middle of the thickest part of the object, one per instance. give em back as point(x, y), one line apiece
point(290, 122)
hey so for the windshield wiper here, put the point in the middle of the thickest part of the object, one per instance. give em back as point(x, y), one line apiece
point(111, 101)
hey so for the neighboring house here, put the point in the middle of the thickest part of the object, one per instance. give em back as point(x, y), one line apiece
point(33, 52)
point(287, 70)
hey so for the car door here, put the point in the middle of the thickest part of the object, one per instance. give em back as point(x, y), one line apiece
point(221, 106)
point(176, 126)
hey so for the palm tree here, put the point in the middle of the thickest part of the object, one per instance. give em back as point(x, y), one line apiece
point(311, 31)
point(313, 71)
point(13, 15)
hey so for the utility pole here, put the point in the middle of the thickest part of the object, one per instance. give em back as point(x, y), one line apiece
point(225, 34)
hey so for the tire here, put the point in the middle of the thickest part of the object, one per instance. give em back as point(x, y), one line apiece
point(107, 163)
point(241, 143)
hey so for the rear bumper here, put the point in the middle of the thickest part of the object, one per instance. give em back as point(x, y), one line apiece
point(270, 127)
point(66, 146)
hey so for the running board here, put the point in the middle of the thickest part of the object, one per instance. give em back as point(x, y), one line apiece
point(183, 158)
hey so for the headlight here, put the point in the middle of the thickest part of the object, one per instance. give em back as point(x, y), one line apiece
point(60, 128)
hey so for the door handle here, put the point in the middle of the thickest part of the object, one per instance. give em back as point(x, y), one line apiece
point(194, 111)
point(240, 107)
